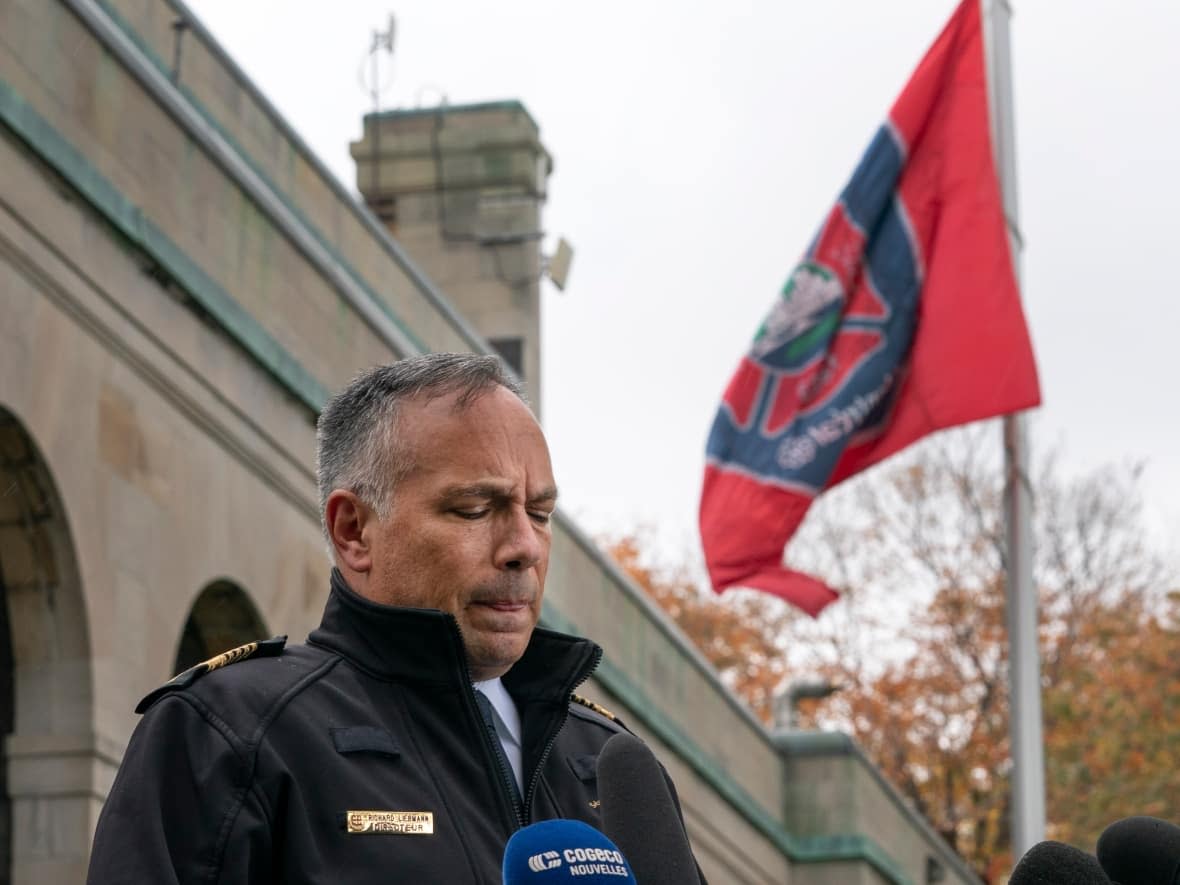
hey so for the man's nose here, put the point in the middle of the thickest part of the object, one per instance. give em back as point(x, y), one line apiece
point(520, 545)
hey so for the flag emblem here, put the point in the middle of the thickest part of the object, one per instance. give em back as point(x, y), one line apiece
point(823, 365)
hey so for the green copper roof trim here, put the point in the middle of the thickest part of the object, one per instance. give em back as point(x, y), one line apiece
point(853, 847)
point(801, 744)
point(798, 849)
point(248, 159)
point(508, 104)
point(129, 220)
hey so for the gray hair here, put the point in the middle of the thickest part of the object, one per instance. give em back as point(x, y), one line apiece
point(356, 434)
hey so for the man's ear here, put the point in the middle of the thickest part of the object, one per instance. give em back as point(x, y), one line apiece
point(346, 517)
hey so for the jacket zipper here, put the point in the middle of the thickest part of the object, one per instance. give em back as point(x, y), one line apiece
point(519, 816)
point(535, 780)
point(499, 762)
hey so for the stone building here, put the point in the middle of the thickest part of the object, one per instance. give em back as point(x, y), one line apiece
point(181, 285)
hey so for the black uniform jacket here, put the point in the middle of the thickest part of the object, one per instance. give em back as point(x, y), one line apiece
point(248, 773)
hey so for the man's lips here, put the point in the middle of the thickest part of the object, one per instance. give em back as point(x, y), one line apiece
point(504, 605)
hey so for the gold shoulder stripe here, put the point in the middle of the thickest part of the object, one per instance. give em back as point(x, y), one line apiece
point(597, 708)
point(230, 657)
point(264, 648)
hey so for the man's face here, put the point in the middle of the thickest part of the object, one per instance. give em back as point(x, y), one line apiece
point(468, 528)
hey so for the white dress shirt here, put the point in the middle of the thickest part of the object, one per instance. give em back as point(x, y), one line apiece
point(507, 724)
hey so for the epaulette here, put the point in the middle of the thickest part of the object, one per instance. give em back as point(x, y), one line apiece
point(597, 708)
point(264, 648)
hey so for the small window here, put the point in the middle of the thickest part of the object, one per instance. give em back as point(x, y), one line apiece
point(511, 351)
point(385, 208)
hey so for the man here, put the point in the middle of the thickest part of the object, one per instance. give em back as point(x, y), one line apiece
point(425, 720)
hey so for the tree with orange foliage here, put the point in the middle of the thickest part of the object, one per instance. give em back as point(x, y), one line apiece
point(917, 548)
point(1114, 720)
point(739, 635)
point(936, 719)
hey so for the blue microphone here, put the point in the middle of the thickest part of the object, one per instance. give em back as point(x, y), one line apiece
point(554, 851)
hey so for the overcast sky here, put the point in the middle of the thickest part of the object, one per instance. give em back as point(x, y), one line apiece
point(697, 149)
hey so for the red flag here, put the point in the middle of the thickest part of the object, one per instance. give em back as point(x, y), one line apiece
point(902, 318)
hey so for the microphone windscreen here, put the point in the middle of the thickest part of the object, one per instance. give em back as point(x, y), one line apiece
point(1055, 863)
point(640, 815)
point(1141, 850)
point(558, 851)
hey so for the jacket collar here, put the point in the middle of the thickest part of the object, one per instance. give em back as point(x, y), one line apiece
point(394, 642)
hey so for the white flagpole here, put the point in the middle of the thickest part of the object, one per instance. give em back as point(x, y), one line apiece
point(1024, 658)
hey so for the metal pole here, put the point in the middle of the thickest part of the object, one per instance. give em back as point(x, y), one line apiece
point(1024, 658)
point(375, 94)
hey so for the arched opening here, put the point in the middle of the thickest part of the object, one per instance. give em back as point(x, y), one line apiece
point(223, 617)
point(46, 709)
point(7, 722)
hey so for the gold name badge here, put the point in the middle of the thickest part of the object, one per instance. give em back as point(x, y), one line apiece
point(413, 823)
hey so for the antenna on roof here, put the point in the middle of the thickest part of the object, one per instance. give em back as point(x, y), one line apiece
point(381, 43)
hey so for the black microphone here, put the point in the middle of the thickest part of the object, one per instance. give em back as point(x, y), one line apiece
point(1055, 863)
point(640, 815)
point(1141, 851)
point(556, 851)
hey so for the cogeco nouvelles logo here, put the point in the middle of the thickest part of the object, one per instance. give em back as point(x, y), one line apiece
point(581, 862)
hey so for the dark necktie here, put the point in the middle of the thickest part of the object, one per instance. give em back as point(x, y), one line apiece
point(489, 721)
